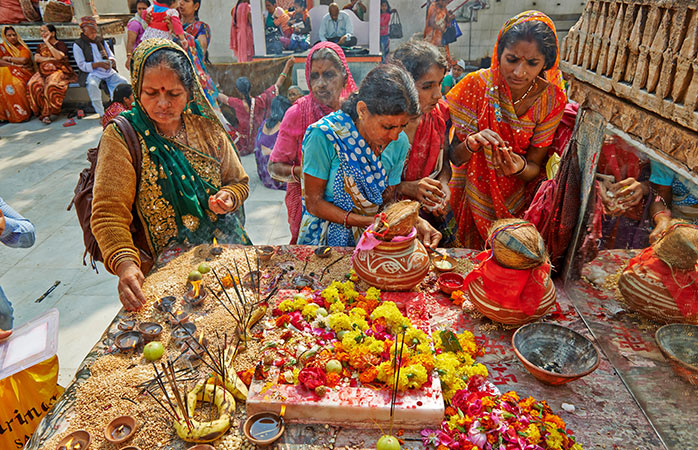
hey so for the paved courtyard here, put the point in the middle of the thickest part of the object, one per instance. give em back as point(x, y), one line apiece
point(39, 167)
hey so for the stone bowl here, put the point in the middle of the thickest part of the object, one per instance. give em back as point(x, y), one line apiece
point(679, 344)
point(554, 354)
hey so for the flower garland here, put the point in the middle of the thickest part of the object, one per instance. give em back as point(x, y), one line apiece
point(339, 336)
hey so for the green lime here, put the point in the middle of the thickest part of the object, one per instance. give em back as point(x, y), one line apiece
point(204, 268)
point(153, 351)
point(194, 275)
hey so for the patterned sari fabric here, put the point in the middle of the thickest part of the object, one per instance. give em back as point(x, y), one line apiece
point(358, 185)
point(250, 117)
point(48, 86)
point(14, 100)
point(288, 147)
point(187, 176)
point(241, 41)
point(482, 100)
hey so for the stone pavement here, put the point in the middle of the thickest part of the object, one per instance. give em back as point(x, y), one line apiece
point(39, 167)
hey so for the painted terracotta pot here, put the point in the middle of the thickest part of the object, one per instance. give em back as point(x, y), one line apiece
point(496, 312)
point(393, 266)
point(644, 292)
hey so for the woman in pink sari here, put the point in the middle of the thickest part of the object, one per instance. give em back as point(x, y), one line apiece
point(241, 32)
point(330, 83)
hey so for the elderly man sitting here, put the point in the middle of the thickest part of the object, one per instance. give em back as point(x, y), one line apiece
point(94, 57)
point(336, 27)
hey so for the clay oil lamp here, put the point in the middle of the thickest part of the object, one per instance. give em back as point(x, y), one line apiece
point(165, 304)
point(128, 340)
point(77, 440)
point(126, 325)
point(323, 252)
point(178, 317)
point(265, 253)
point(120, 429)
point(301, 281)
point(133, 447)
point(150, 330)
point(264, 428)
point(183, 331)
point(202, 447)
point(216, 249)
point(196, 294)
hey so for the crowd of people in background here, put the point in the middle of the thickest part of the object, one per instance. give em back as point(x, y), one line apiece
point(468, 147)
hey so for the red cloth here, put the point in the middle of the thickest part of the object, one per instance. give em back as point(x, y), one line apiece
point(249, 120)
point(288, 147)
point(681, 284)
point(428, 143)
point(241, 41)
point(520, 290)
point(11, 12)
point(112, 111)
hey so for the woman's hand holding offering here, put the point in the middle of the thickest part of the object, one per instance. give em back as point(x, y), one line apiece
point(508, 163)
point(628, 192)
point(221, 202)
point(429, 235)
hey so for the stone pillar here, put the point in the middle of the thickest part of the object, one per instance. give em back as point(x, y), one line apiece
point(82, 8)
point(260, 45)
point(374, 19)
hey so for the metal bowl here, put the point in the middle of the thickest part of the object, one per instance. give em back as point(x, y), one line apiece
point(679, 344)
point(554, 354)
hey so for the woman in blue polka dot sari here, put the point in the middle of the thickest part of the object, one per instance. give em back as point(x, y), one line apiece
point(353, 160)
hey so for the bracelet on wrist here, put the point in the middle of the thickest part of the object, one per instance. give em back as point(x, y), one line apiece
point(467, 146)
point(520, 171)
point(663, 211)
point(346, 218)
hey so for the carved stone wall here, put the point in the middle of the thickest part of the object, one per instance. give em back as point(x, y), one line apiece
point(643, 51)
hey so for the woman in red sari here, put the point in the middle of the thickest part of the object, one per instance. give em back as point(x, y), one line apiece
point(505, 119)
point(330, 81)
point(428, 169)
point(16, 68)
point(241, 42)
point(48, 86)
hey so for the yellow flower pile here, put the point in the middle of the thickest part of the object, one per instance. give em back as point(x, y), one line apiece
point(297, 303)
point(392, 316)
point(455, 368)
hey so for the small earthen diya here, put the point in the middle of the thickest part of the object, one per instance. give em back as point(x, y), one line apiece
point(77, 440)
point(120, 429)
point(183, 331)
point(150, 330)
point(216, 249)
point(265, 253)
point(264, 428)
point(302, 281)
point(165, 303)
point(126, 325)
point(196, 294)
point(323, 252)
point(128, 340)
point(178, 318)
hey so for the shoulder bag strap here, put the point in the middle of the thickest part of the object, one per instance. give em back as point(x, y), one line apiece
point(134, 145)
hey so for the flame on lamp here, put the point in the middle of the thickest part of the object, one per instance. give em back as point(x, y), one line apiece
point(196, 286)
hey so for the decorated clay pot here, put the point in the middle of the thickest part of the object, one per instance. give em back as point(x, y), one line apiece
point(393, 266)
point(496, 312)
point(644, 292)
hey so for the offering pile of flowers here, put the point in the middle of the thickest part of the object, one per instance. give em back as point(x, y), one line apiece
point(340, 337)
point(478, 417)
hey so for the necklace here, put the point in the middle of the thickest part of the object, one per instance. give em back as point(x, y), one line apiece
point(526, 93)
point(178, 136)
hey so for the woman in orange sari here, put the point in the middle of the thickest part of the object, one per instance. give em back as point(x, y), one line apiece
point(505, 119)
point(48, 86)
point(16, 69)
point(438, 19)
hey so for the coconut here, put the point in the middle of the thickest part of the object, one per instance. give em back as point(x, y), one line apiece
point(517, 244)
point(400, 218)
point(678, 247)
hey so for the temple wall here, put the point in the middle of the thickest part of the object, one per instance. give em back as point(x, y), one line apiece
point(636, 63)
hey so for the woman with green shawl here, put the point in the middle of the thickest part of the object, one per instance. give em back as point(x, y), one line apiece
point(191, 184)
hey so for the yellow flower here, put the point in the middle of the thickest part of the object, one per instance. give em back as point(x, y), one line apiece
point(336, 307)
point(338, 322)
point(393, 318)
point(554, 439)
point(295, 304)
point(373, 294)
point(310, 311)
point(533, 434)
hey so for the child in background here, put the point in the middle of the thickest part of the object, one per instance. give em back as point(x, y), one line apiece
point(386, 11)
point(158, 28)
point(123, 99)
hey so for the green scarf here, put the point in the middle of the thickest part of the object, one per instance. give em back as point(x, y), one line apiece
point(181, 185)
